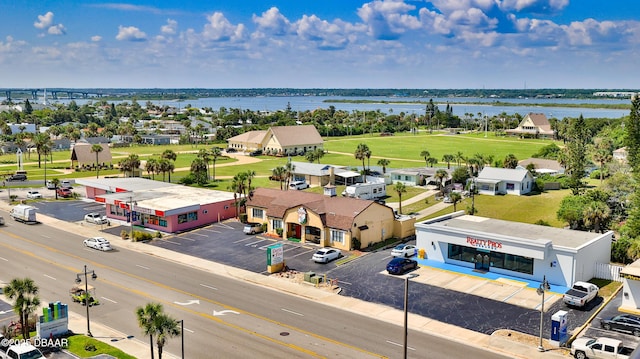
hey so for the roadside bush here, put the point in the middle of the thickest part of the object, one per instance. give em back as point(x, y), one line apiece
point(124, 234)
point(141, 236)
point(243, 217)
point(158, 234)
point(356, 243)
point(279, 231)
point(187, 180)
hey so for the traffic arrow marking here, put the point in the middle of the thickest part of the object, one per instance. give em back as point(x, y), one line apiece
point(189, 302)
point(223, 312)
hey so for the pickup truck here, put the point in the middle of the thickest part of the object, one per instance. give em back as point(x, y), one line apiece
point(580, 294)
point(590, 348)
point(18, 351)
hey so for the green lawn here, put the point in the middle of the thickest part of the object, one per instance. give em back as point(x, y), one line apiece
point(78, 343)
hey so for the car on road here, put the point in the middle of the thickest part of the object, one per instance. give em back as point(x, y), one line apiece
point(96, 218)
point(34, 195)
point(623, 323)
point(63, 192)
point(404, 250)
point(326, 255)
point(252, 228)
point(17, 177)
point(98, 243)
point(401, 265)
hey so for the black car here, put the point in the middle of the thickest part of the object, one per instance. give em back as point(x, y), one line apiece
point(256, 153)
point(400, 265)
point(231, 150)
point(17, 177)
point(623, 323)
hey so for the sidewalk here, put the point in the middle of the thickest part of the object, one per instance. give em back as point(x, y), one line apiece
point(135, 347)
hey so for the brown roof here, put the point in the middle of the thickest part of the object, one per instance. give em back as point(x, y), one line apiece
point(249, 137)
point(540, 120)
point(83, 155)
point(336, 212)
point(296, 135)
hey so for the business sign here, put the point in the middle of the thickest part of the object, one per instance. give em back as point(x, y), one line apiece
point(484, 243)
point(275, 254)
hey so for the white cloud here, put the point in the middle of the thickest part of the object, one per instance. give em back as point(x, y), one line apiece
point(273, 21)
point(96, 38)
point(170, 28)
point(387, 20)
point(533, 6)
point(220, 29)
point(57, 29)
point(130, 33)
point(10, 45)
point(44, 21)
point(326, 35)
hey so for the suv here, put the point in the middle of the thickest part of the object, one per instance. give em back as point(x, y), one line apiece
point(298, 185)
point(252, 228)
point(63, 192)
point(17, 177)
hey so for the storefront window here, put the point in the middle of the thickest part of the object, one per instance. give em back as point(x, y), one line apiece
point(187, 217)
point(497, 260)
point(337, 236)
point(155, 220)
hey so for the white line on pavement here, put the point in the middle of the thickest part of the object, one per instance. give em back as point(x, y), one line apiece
point(4, 259)
point(50, 277)
point(143, 267)
point(208, 286)
point(292, 312)
point(111, 300)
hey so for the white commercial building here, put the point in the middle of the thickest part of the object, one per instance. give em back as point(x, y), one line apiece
point(514, 249)
point(630, 288)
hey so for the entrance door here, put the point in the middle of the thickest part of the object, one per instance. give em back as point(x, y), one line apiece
point(482, 261)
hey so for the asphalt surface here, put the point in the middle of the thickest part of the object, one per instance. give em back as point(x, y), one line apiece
point(364, 277)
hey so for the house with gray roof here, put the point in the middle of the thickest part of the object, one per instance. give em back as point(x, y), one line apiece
point(494, 181)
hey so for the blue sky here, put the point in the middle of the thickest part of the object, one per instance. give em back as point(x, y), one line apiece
point(321, 44)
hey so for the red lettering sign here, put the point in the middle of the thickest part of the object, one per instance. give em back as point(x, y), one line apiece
point(484, 243)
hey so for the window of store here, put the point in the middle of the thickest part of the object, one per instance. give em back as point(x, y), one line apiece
point(506, 261)
point(187, 217)
point(155, 220)
point(276, 223)
point(257, 213)
point(337, 236)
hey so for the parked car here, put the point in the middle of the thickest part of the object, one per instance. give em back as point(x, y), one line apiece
point(401, 265)
point(298, 185)
point(65, 184)
point(17, 177)
point(623, 323)
point(252, 228)
point(404, 250)
point(326, 255)
point(98, 243)
point(96, 218)
point(580, 294)
point(583, 348)
point(64, 192)
point(231, 150)
point(1, 221)
point(34, 194)
point(255, 153)
point(51, 185)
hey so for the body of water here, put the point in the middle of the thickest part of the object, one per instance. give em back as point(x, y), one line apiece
point(461, 106)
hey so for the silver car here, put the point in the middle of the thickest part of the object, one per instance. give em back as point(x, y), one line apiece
point(326, 255)
point(98, 243)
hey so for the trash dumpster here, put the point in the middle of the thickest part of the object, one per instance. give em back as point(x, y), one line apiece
point(308, 276)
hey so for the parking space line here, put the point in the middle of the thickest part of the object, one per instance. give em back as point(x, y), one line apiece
point(189, 239)
point(198, 234)
point(254, 244)
point(244, 239)
point(224, 225)
point(210, 230)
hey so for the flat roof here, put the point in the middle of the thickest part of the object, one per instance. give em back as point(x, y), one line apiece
point(632, 269)
point(558, 236)
point(122, 184)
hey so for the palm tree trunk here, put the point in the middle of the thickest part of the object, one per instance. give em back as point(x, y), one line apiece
point(151, 344)
point(159, 351)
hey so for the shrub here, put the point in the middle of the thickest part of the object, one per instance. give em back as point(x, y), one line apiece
point(243, 217)
point(141, 236)
point(124, 234)
point(158, 234)
point(279, 231)
point(355, 243)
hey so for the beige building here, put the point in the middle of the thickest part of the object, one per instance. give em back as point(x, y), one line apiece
point(534, 125)
point(279, 140)
point(326, 220)
point(81, 155)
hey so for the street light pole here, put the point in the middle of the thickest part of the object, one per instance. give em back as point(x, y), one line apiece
point(541, 289)
point(182, 336)
point(406, 312)
point(86, 292)
point(473, 197)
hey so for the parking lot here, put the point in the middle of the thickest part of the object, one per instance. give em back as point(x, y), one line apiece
point(360, 275)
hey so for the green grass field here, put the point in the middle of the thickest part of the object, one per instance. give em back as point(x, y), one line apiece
point(403, 150)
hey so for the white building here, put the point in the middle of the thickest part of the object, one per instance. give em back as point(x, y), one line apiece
point(515, 249)
point(630, 288)
point(493, 181)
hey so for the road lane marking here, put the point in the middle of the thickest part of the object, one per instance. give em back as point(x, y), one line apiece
point(189, 302)
point(400, 345)
point(4, 259)
point(208, 286)
point(292, 312)
point(110, 300)
point(50, 277)
point(188, 330)
point(143, 267)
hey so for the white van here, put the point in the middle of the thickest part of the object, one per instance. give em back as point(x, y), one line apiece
point(298, 185)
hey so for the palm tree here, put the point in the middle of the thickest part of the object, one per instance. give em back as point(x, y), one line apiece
point(383, 162)
point(146, 318)
point(602, 154)
point(199, 170)
point(319, 153)
point(596, 213)
point(250, 175)
point(165, 327)
point(169, 154)
point(96, 148)
point(204, 154)
point(279, 173)
point(425, 154)
point(510, 161)
point(448, 158)
point(289, 168)
point(41, 140)
point(455, 197)
point(24, 293)
point(152, 167)
point(400, 188)
point(432, 161)
point(215, 153)
point(441, 175)
point(363, 152)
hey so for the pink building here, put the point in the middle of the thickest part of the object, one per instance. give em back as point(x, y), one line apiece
point(159, 205)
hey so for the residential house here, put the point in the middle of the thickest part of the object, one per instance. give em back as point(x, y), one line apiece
point(620, 155)
point(542, 165)
point(494, 181)
point(316, 174)
point(534, 125)
point(81, 155)
point(340, 222)
point(419, 176)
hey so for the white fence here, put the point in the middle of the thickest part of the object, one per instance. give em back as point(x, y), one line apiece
point(608, 271)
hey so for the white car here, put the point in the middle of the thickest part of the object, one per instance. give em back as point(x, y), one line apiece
point(34, 195)
point(98, 243)
point(96, 218)
point(404, 250)
point(326, 255)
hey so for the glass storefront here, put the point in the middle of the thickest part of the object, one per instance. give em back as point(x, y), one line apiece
point(500, 260)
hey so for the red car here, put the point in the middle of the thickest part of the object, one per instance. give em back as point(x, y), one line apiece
point(64, 192)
